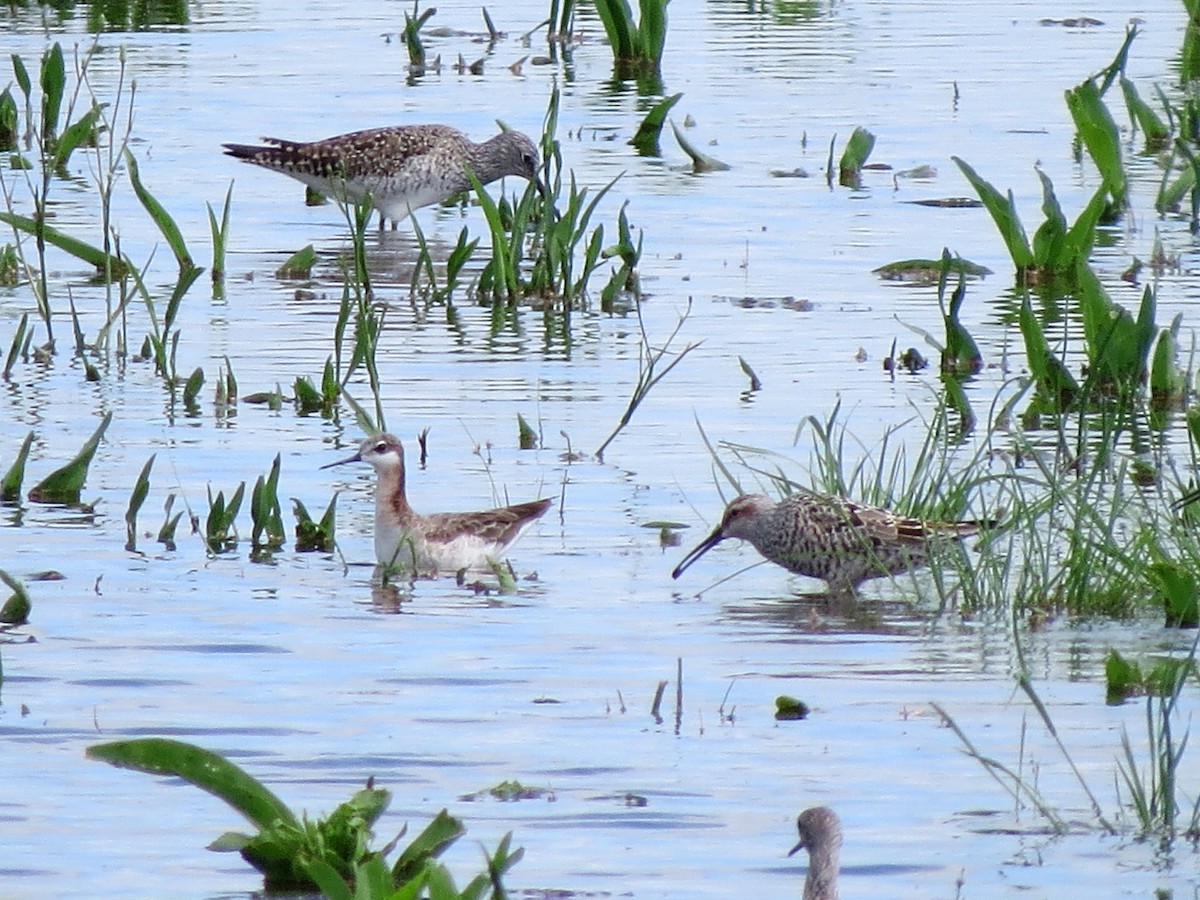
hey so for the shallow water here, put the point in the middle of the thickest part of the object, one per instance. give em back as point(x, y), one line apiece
point(314, 679)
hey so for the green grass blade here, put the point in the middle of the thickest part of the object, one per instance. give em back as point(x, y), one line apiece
point(10, 485)
point(1004, 213)
point(1099, 134)
point(54, 84)
point(439, 834)
point(137, 497)
point(64, 485)
point(1141, 114)
point(158, 213)
point(652, 29)
point(649, 132)
point(80, 250)
point(617, 19)
point(206, 770)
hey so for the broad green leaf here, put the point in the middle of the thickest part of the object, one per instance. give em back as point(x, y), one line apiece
point(1099, 134)
point(439, 834)
point(1004, 213)
point(202, 768)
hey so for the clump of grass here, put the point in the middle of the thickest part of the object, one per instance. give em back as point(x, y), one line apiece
point(564, 249)
point(333, 854)
point(166, 533)
point(220, 530)
point(266, 533)
point(637, 46)
point(220, 239)
point(315, 535)
point(651, 371)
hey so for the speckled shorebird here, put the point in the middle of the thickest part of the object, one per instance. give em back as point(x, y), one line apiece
point(440, 542)
point(831, 538)
point(821, 836)
point(403, 167)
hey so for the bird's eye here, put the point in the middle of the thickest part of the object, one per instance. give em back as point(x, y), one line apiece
point(381, 447)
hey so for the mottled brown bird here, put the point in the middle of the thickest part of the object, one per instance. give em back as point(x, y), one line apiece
point(831, 538)
point(401, 168)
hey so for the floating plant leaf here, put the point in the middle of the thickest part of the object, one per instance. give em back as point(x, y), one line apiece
point(701, 162)
point(927, 271)
point(10, 486)
point(789, 708)
point(64, 485)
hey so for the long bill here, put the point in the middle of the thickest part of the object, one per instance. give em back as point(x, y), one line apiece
point(357, 457)
point(707, 544)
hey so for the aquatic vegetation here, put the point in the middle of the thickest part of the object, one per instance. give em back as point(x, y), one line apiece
point(10, 484)
point(220, 530)
point(1057, 251)
point(220, 237)
point(854, 156)
point(17, 606)
point(555, 238)
point(1152, 788)
point(637, 47)
point(313, 535)
point(166, 533)
point(701, 161)
point(299, 265)
point(266, 532)
point(650, 371)
point(650, 130)
point(141, 488)
point(295, 853)
point(64, 484)
point(1125, 678)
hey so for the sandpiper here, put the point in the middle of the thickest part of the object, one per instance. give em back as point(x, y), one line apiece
point(440, 542)
point(402, 168)
point(831, 538)
point(821, 836)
